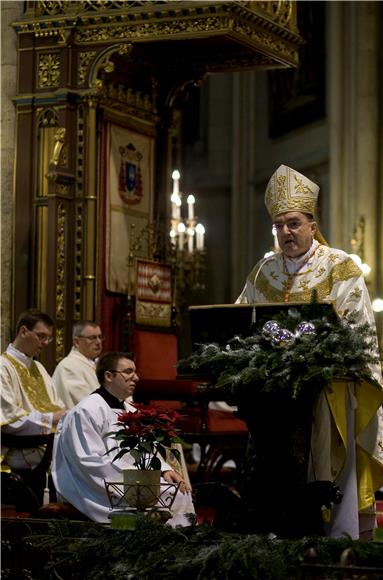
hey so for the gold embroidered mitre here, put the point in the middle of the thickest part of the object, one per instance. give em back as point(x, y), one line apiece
point(289, 190)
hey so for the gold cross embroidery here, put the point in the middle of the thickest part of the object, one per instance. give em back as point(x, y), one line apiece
point(320, 271)
point(356, 293)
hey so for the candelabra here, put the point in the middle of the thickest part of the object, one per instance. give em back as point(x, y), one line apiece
point(187, 237)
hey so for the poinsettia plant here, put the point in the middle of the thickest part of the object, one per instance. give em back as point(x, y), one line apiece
point(146, 434)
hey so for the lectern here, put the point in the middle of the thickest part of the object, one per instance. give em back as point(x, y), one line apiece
point(273, 484)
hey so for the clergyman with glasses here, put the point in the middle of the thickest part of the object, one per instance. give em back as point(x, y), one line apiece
point(84, 452)
point(30, 404)
point(75, 376)
point(305, 263)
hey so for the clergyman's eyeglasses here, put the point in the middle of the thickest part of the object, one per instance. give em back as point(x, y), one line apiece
point(127, 372)
point(93, 337)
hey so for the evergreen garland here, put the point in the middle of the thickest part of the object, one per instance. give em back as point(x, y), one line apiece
point(154, 551)
point(338, 348)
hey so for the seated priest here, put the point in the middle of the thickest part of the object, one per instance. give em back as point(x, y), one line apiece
point(82, 459)
point(75, 376)
point(29, 402)
point(305, 263)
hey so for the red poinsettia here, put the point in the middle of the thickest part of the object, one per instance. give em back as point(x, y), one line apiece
point(146, 433)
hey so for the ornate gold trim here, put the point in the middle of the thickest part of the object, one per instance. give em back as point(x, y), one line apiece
point(78, 262)
point(90, 226)
point(42, 258)
point(59, 343)
point(48, 72)
point(85, 58)
point(59, 143)
point(60, 262)
point(247, 24)
point(34, 386)
point(128, 102)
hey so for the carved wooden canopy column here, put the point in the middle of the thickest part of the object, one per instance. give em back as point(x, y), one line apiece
point(82, 60)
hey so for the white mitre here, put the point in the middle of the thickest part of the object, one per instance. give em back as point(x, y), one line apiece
point(289, 190)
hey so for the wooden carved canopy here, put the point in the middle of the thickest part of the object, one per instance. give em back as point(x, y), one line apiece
point(83, 61)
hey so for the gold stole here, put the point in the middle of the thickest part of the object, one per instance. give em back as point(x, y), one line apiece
point(34, 386)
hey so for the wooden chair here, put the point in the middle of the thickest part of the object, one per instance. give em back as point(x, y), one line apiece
point(220, 434)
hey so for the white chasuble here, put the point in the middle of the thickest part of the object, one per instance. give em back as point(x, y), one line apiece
point(75, 378)
point(347, 435)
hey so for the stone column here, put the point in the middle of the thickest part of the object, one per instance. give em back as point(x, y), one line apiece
point(243, 195)
point(354, 129)
point(10, 11)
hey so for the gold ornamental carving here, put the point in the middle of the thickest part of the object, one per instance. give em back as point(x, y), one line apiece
point(48, 70)
point(280, 11)
point(244, 24)
point(156, 30)
point(59, 143)
point(269, 42)
point(85, 59)
point(62, 189)
point(125, 100)
point(78, 262)
point(59, 344)
point(60, 263)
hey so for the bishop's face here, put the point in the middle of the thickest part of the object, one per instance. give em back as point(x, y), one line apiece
point(295, 232)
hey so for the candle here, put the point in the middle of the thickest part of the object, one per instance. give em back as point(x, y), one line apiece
point(176, 205)
point(176, 178)
point(191, 202)
point(173, 199)
point(181, 235)
point(190, 240)
point(200, 231)
point(178, 208)
point(173, 237)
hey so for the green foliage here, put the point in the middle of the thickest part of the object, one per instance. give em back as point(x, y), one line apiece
point(307, 362)
point(155, 551)
point(145, 433)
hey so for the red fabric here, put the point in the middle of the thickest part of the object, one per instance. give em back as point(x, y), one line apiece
point(224, 422)
point(165, 389)
point(379, 512)
point(156, 354)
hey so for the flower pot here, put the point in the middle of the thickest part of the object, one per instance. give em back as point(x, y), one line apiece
point(141, 487)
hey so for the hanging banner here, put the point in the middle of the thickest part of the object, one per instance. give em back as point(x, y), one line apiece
point(153, 293)
point(129, 181)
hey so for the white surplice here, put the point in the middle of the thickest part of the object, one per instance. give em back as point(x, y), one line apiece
point(75, 378)
point(81, 462)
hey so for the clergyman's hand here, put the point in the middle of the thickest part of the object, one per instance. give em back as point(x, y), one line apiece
point(57, 416)
point(174, 477)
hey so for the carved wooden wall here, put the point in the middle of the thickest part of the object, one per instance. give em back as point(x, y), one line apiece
point(80, 64)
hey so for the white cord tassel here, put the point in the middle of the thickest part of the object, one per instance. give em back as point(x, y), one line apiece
point(46, 498)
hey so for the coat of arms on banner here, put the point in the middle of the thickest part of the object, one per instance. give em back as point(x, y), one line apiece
point(130, 178)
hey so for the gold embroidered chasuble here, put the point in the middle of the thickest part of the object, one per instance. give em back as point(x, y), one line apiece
point(25, 390)
point(335, 277)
